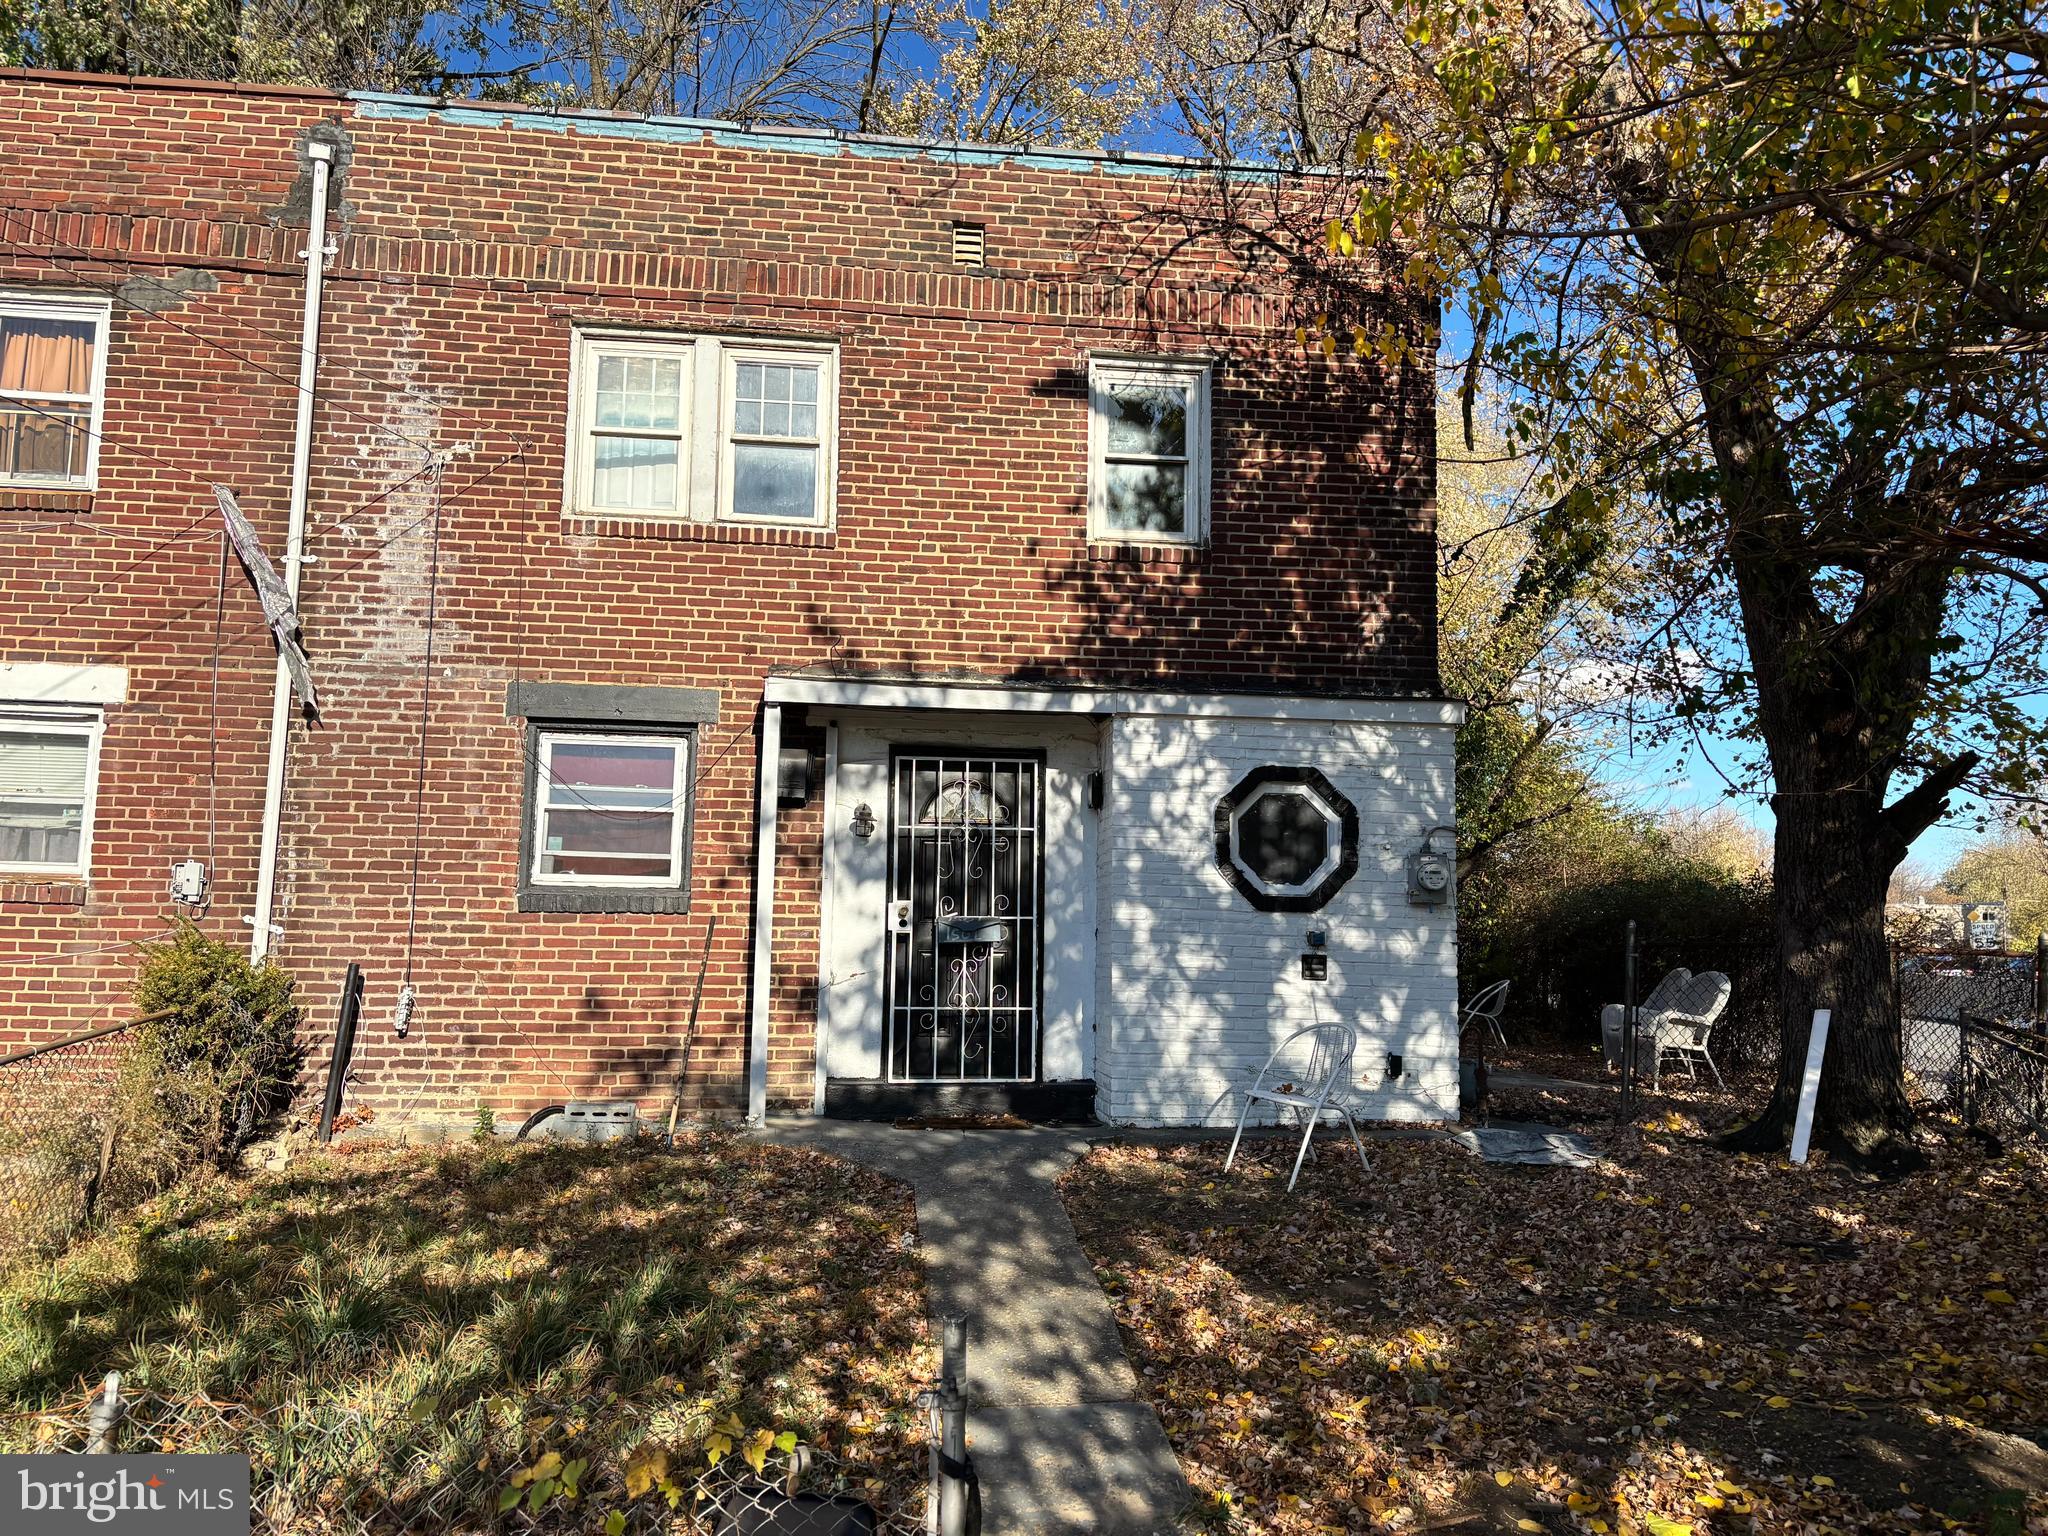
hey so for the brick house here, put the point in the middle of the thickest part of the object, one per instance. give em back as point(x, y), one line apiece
point(925, 588)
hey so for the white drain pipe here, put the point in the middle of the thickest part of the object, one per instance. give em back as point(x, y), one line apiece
point(322, 157)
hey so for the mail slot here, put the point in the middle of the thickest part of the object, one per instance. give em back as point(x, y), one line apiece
point(972, 932)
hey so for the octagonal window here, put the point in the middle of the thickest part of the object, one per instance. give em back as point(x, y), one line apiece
point(1286, 839)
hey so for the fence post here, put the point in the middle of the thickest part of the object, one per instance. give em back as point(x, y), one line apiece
point(103, 1429)
point(959, 1497)
point(1628, 1024)
point(2041, 985)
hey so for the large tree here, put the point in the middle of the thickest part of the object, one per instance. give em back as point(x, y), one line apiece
point(1785, 267)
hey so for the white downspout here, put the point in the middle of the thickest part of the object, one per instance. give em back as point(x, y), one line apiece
point(322, 156)
point(764, 913)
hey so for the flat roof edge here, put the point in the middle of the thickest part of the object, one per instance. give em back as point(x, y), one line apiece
point(1048, 699)
point(797, 137)
point(169, 83)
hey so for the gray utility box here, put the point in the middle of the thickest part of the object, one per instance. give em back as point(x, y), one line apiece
point(598, 1120)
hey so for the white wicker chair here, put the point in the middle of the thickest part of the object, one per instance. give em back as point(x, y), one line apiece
point(1681, 1028)
point(1306, 1090)
point(1613, 1015)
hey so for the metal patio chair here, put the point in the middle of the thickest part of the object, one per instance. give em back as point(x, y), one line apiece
point(1681, 1027)
point(1486, 1009)
point(1307, 1091)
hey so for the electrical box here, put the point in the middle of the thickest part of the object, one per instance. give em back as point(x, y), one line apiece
point(1432, 873)
point(190, 882)
point(793, 777)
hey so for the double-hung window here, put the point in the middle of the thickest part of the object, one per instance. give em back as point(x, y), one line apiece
point(703, 429)
point(49, 764)
point(776, 458)
point(634, 444)
point(1148, 450)
point(610, 811)
point(53, 368)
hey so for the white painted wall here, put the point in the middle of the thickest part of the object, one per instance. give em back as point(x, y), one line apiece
point(851, 964)
point(1196, 985)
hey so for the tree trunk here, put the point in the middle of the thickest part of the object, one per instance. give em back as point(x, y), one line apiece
point(1832, 865)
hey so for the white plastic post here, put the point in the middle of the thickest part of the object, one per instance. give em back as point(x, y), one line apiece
point(1809, 1086)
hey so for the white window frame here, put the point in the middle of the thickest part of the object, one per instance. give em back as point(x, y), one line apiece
point(591, 347)
point(826, 360)
point(47, 720)
point(1191, 374)
point(711, 376)
point(679, 809)
point(1333, 839)
point(34, 306)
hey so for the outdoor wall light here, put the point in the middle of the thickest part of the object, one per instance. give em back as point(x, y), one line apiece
point(863, 824)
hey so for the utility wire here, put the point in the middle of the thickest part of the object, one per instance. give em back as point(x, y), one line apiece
point(220, 614)
point(480, 477)
point(113, 291)
point(283, 338)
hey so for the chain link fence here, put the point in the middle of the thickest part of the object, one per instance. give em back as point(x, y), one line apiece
point(1973, 1031)
point(487, 1469)
point(58, 1106)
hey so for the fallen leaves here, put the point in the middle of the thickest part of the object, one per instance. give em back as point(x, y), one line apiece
point(1687, 1343)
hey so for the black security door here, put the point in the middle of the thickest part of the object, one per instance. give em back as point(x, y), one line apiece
point(963, 915)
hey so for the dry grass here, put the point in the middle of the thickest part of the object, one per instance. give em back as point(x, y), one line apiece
point(411, 1319)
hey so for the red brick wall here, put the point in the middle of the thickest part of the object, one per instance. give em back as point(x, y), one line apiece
point(470, 243)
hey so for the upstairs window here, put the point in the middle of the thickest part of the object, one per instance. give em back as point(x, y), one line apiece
point(634, 444)
point(1148, 450)
point(53, 359)
point(702, 429)
point(48, 767)
point(776, 435)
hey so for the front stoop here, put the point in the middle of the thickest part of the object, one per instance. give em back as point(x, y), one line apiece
point(1058, 1432)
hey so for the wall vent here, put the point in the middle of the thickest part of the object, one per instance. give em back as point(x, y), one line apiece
point(970, 245)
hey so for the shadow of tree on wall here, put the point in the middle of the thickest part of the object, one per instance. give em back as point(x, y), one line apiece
point(1318, 571)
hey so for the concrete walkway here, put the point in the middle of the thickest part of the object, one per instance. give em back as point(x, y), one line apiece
point(1055, 1425)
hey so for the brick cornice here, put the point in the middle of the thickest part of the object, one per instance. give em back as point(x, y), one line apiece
point(67, 236)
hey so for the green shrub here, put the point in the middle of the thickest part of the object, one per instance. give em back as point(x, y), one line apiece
point(1563, 943)
point(215, 1060)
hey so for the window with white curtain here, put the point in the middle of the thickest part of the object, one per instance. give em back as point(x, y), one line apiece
point(702, 428)
point(53, 368)
point(48, 765)
point(633, 447)
point(1148, 450)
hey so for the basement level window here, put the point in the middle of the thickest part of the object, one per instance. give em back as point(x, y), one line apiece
point(607, 821)
point(49, 771)
point(53, 378)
